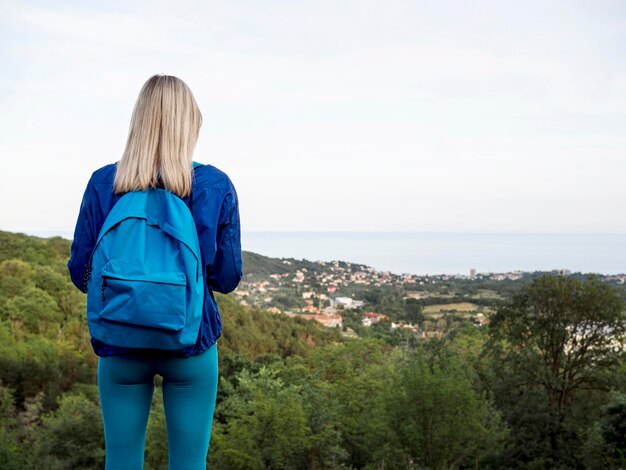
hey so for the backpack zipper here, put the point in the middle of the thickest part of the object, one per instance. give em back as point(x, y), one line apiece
point(86, 277)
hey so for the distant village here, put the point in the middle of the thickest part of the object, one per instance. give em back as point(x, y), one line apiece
point(318, 291)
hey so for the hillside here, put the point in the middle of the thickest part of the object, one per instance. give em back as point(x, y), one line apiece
point(259, 266)
point(43, 314)
point(294, 395)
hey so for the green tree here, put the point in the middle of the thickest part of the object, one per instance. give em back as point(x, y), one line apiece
point(11, 455)
point(15, 275)
point(613, 429)
point(555, 345)
point(266, 428)
point(34, 308)
point(413, 311)
point(438, 419)
point(72, 436)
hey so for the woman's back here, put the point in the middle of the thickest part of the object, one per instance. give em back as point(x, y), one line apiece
point(215, 210)
point(163, 133)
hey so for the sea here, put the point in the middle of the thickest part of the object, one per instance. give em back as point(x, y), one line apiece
point(435, 253)
point(449, 253)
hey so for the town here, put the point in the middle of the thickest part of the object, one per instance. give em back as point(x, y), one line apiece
point(327, 292)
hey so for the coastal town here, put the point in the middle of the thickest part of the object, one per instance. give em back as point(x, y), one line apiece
point(328, 291)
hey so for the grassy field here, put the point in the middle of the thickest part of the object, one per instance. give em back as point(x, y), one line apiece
point(486, 294)
point(459, 307)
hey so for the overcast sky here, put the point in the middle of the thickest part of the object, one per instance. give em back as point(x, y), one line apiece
point(501, 116)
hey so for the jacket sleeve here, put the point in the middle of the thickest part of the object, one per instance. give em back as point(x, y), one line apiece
point(226, 272)
point(84, 239)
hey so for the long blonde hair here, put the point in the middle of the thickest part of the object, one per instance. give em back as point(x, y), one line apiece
point(163, 133)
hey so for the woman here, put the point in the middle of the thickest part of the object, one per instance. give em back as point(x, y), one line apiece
point(163, 132)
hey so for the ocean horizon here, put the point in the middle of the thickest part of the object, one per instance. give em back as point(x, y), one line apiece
point(441, 252)
point(449, 252)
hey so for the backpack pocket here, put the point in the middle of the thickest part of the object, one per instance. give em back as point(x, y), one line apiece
point(135, 295)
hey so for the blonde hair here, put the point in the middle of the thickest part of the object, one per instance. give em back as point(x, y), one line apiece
point(163, 133)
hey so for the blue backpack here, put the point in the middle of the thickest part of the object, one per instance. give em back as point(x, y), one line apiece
point(144, 281)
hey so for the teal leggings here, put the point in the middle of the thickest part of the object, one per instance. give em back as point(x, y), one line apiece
point(189, 393)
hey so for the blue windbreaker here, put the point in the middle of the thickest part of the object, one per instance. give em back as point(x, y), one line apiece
point(215, 209)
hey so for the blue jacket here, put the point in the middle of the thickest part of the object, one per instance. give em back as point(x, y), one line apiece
point(215, 209)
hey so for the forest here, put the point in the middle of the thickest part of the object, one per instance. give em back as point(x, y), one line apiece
point(542, 386)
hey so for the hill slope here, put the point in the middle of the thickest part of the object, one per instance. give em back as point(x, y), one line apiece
point(44, 337)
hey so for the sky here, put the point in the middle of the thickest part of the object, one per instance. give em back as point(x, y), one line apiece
point(411, 116)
